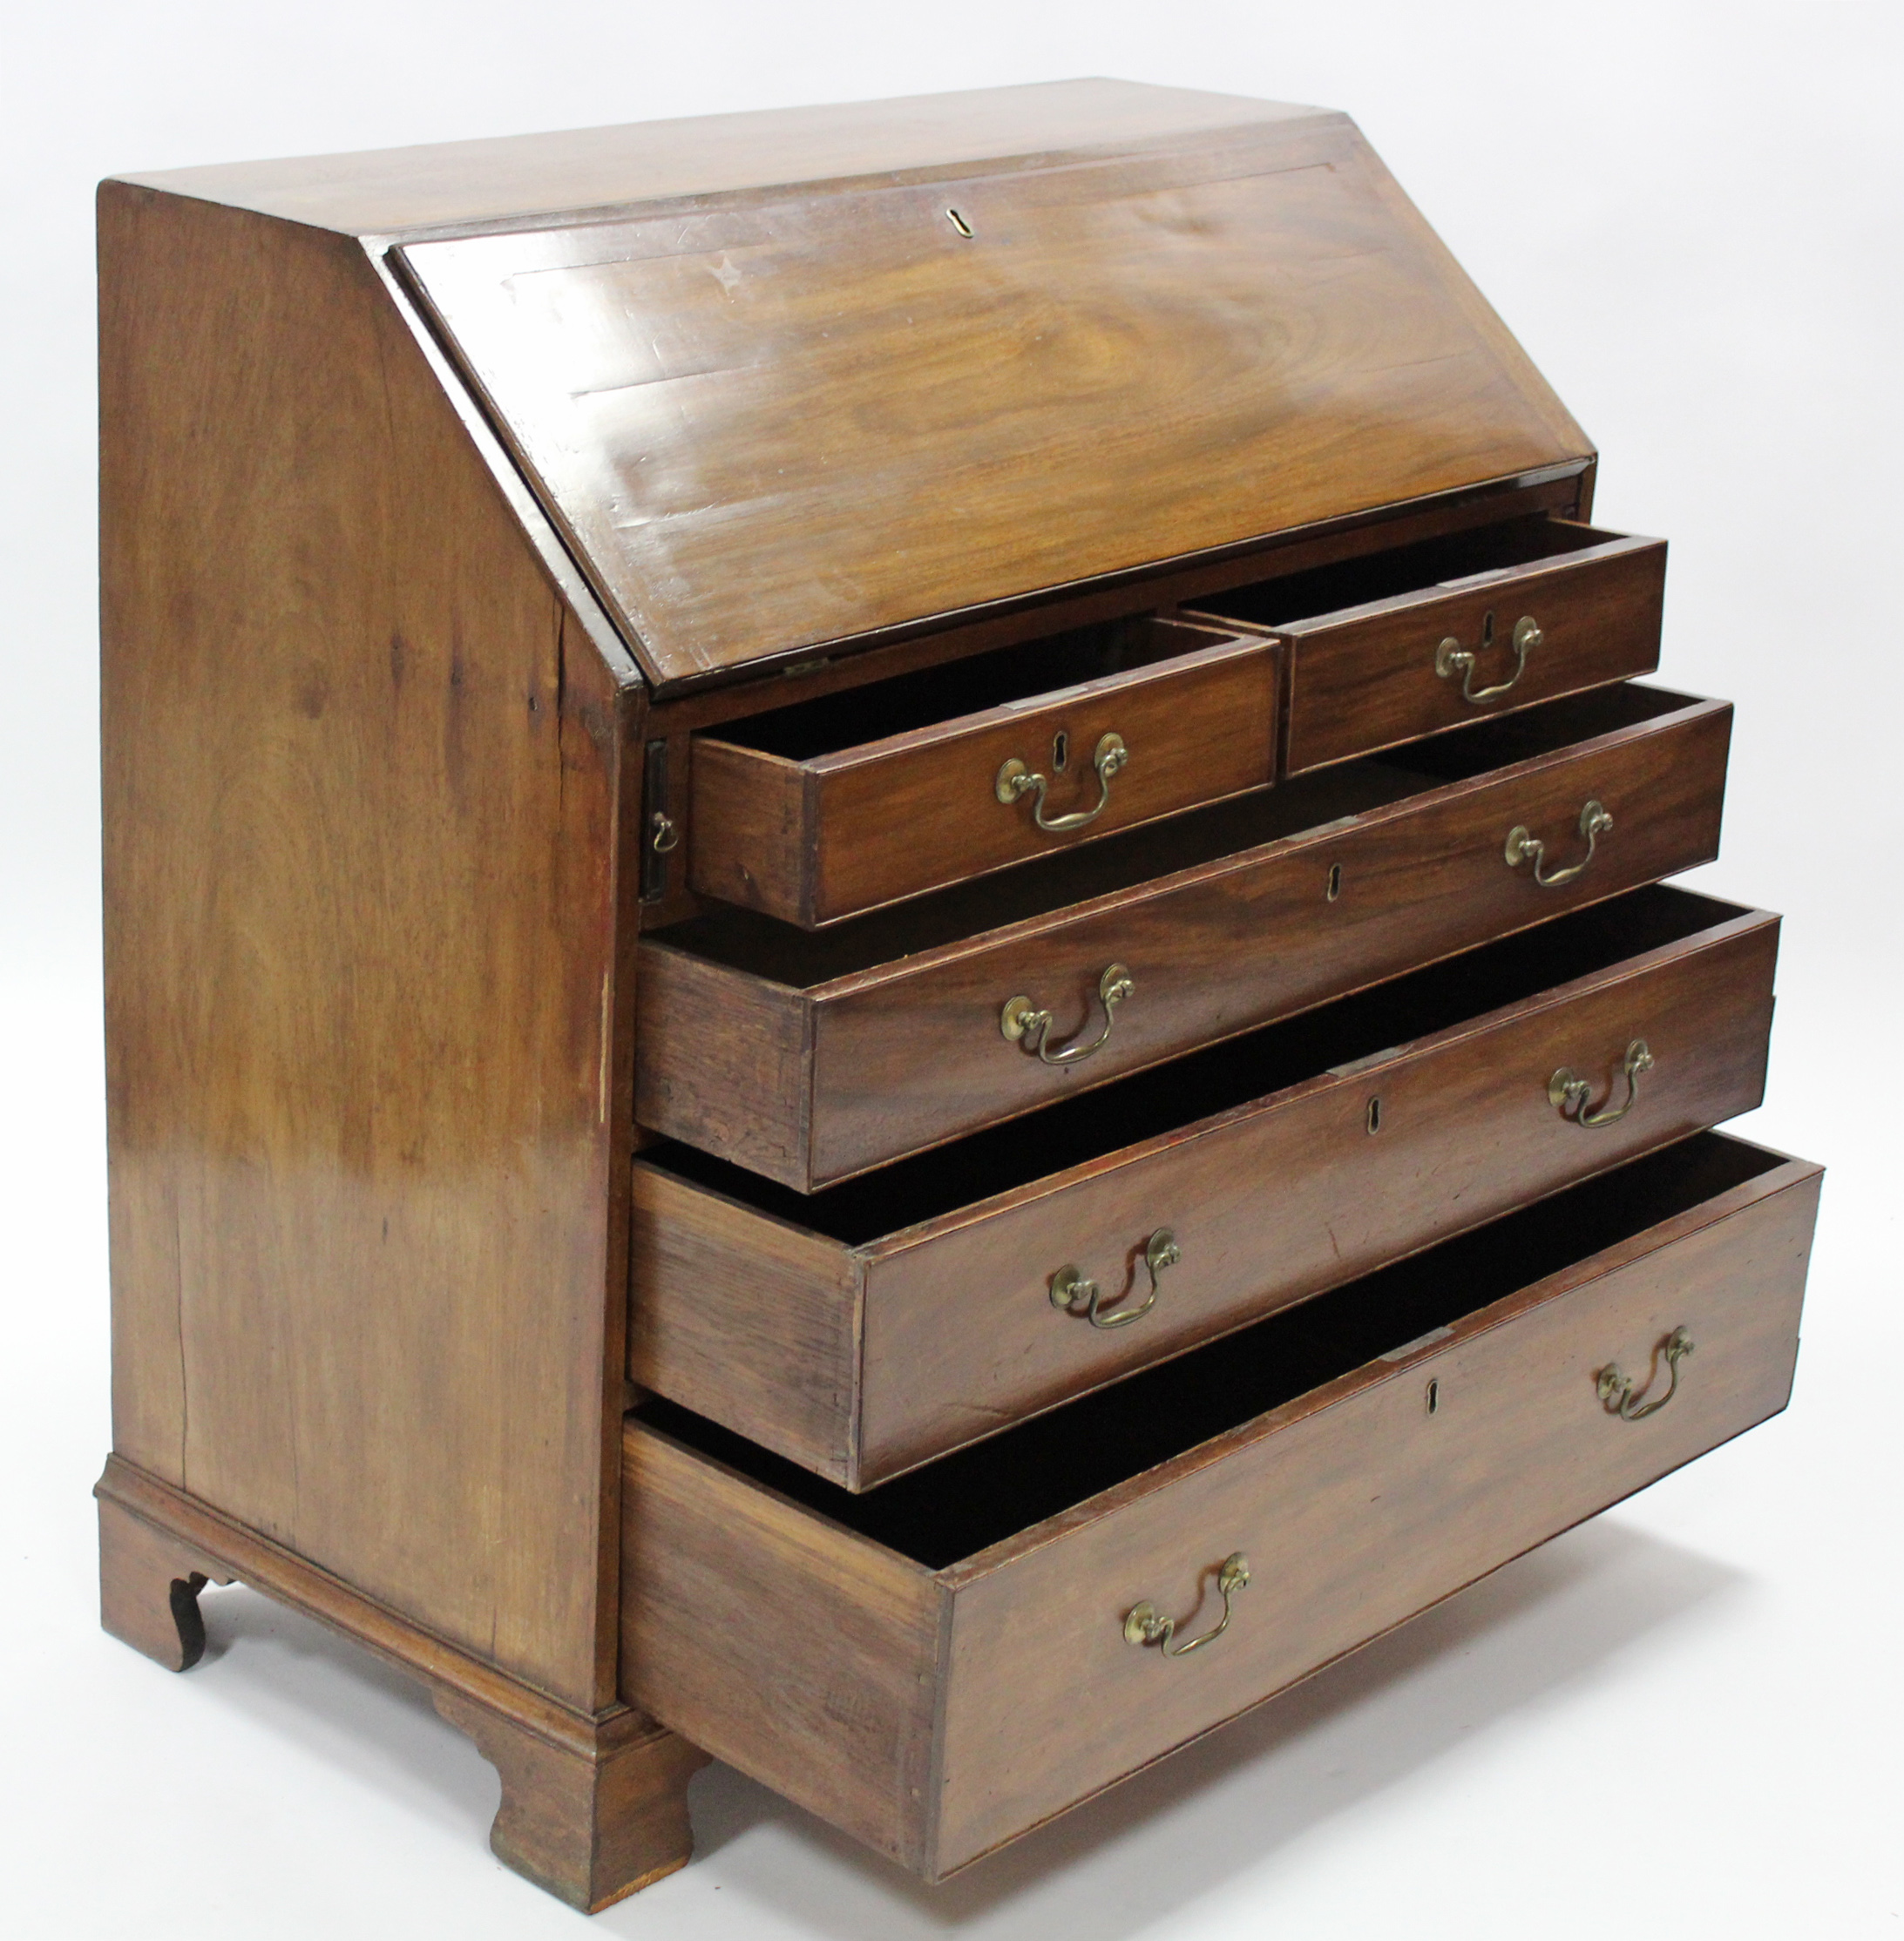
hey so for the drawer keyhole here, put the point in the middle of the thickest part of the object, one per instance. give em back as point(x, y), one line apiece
point(1374, 1115)
point(1434, 1397)
point(1335, 881)
point(1061, 750)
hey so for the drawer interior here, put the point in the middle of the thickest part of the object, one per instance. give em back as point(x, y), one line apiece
point(1351, 583)
point(1224, 1076)
point(1032, 670)
point(745, 941)
point(964, 1503)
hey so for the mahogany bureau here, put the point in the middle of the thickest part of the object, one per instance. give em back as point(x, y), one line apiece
point(888, 983)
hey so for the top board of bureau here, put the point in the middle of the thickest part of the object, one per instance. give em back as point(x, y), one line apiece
point(785, 397)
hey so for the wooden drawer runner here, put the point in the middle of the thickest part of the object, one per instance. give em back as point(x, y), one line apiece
point(818, 812)
point(1438, 635)
point(809, 1059)
point(867, 1330)
point(942, 1665)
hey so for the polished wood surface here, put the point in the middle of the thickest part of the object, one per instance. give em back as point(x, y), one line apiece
point(817, 839)
point(936, 1296)
point(511, 178)
point(593, 1804)
point(360, 774)
point(897, 400)
point(810, 1063)
point(748, 1615)
point(1366, 678)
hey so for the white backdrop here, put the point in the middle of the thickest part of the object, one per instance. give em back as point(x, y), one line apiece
point(1682, 1720)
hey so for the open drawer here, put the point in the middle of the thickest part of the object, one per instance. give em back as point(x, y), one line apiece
point(940, 1665)
point(865, 1329)
point(817, 812)
point(811, 1059)
point(1398, 645)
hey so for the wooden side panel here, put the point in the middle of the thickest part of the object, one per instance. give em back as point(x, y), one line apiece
point(745, 1319)
point(1277, 1202)
point(724, 1063)
point(1369, 682)
point(910, 1054)
point(748, 834)
point(1355, 1516)
point(360, 800)
point(804, 1655)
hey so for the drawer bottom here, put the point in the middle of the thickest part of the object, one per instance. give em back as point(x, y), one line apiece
point(942, 1663)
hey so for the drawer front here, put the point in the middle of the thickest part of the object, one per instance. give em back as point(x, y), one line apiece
point(937, 1713)
point(1324, 1182)
point(1369, 679)
point(818, 841)
point(860, 1361)
point(909, 1061)
point(1353, 1519)
point(808, 1087)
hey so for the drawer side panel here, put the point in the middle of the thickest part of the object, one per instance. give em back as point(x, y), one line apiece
point(804, 1655)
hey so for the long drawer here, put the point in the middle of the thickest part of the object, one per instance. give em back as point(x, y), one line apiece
point(809, 1059)
point(943, 1664)
point(1434, 636)
point(866, 1329)
point(818, 812)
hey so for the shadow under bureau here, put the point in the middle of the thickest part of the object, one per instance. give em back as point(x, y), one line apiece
point(889, 983)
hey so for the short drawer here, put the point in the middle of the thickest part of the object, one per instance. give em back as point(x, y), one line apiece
point(865, 1329)
point(809, 1059)
point(1404, 644)
point(819, 812)
point(943, 1665)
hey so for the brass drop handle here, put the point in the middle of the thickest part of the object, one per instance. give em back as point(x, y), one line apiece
point(1567, 1093)
point(1015, 780)
point(1523, 846)
point(1451, 657)
point(1024, 1022)
point(1615, 1390)
point(1143, 1626)
point(1068, 1287)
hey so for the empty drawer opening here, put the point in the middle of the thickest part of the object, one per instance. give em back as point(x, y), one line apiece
point(1224, 1076)
point(979, 1496)
point(809, 729)
point(801, 959)
point(1407, 569)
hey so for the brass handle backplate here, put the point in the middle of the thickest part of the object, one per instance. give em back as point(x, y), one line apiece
point(1451, 657)
point(1069, 1287)
point(1615, 1390)
point(1142, 1626)
point(1024, 1022)
point(1567, 1093)
point(1016, 779)
point(1523, 846)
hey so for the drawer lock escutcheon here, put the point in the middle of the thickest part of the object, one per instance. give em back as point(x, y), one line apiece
point(1567, 1093)
point(1451, 657)
point(1069, 1287)
point(1024, 1022)
point(1615, 1390)
point(1523, 846)
point(1015, 780)
point(1143, 1626)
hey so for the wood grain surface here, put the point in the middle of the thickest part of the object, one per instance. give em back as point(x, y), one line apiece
point(1129, 358)
point(886, 1038)
point(1365, 677)
point(991, 1691)
point(1258, 1158)
point(819, 840)
point(364, 1108)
